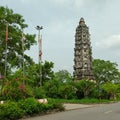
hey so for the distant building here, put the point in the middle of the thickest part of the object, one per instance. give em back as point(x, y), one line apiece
point(82, 53)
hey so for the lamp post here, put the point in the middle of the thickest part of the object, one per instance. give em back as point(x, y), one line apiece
point(40, 51)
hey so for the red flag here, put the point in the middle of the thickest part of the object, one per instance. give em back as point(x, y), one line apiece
point(6, 32)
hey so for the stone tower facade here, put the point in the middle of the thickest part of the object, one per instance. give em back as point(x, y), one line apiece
point(82, 53)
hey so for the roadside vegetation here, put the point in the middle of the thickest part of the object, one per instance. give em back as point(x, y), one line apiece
point(20, 90)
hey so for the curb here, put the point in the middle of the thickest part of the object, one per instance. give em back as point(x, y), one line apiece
point(76, 106)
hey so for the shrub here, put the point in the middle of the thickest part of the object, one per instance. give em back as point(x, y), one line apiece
point(111, 89)
point(51, 87)
point(84, 88)
point(51, 105)
point(15, 90)
point(29, 106)
point(10, 111)
point(39, 93)
point(43, 108)
point(67, 91)
point(56, 105)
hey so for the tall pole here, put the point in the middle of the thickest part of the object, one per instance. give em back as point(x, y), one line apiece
point(6, 50)
point(40, 53)
point(23, 55)
point(5, 60)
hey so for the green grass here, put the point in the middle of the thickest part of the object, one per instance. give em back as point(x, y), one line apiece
point(81, 101)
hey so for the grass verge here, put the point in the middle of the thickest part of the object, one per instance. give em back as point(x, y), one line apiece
point(81, 101)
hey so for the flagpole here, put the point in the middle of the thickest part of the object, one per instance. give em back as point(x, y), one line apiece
point(40, 53)
point(5, 60)
point(5, 74)
point(23, 56)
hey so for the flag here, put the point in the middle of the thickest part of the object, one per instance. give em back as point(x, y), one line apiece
point(22, 41)
point(6, 32)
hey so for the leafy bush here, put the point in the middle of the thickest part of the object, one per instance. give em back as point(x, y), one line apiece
point(16, 90)
point(67, 91)
point(39, 92)
point(43, 108)
point(10, 111)
point(111, 89)
point(29, 106)
point(51, 87)
point(84, 88)
point(53, 104)
point(58, 106)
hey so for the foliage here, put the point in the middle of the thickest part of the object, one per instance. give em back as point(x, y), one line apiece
point(29, 106)
point(56, 104)
point(61, 86)
point(105, 71)
point(15, 90)
point(80, 101)
point(16, 24)
point(10, 111)
point(39, 93)
point(67, 91)
point(52, 87)
point(64, 76)
point(51, 106)
point(59, 106)
point(32, 73)
point(111, 89)
point(47, 72)
point(94, 92)
point(84, 88)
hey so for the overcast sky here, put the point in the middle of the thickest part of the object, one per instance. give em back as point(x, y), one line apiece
point(60, 19)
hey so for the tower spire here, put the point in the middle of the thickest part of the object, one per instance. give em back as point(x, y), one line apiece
point(82, 22)
point(82, 53)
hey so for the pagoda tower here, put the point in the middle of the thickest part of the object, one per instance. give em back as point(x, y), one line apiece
point(82, 53)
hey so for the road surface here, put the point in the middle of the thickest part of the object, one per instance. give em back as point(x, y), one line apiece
point(98, 112)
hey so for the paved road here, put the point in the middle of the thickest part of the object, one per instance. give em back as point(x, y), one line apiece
point(98, 112)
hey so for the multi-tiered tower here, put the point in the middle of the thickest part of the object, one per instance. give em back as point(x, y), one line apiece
point(82, 53)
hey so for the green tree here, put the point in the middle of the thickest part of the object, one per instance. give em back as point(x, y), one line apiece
point(47, 71)
point(52, 88)
point(64, 76)
point(84, 88)
point(67, 91)
point(59, 84)
point(105, 71)
point(16, 24)
point(111, 89)
point(32, 73)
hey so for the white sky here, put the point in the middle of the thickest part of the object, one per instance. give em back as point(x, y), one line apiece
point(60, 19)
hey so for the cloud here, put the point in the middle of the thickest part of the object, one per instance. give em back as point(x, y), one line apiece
point(110, 43)
point(108, 49)
point(59, 1)
point(78, 3)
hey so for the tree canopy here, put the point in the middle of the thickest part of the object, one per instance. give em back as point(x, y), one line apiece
point(32, 74)
point(16, 25)
point(105, 71)
point(63, 76)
